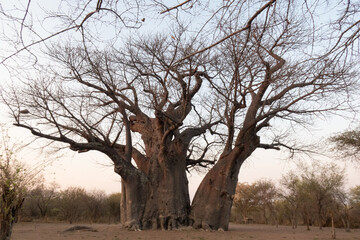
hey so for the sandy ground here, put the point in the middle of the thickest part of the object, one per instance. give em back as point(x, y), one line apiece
point(55, 231)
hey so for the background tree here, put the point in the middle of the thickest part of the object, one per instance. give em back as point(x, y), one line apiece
point(306, 203)
point(245, 201)
point(303, 192)
point(267, 194)
point(72, 204)
point(257, 199)
point(355, 206)
point(15, 179)
point(91, 206)
point(113, 207)
point(95, 204)
point(343, 208)
point(283, 212)
point(315, 192)
point(40, 201)
point(292, 196)
point(324, 182)
point(348, 144)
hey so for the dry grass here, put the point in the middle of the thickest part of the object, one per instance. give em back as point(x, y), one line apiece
point(56, 231)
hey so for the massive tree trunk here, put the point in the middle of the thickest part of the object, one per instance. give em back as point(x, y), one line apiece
point(133, 199)
point(212, 203)
point(159, 198)
point(168, 202)
point(159, 201)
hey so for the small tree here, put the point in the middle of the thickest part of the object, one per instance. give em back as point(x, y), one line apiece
point(95, 204)
point(355, 206)
point(343, 207)
point(267, 195)
point(348, 144)
point(324, 182)
point(72, 204)
point(39, 201)
point(245, 201)
point(291, 195)
point(314, 194)
point(258, 197)
point(113, 206)
point(14, 181)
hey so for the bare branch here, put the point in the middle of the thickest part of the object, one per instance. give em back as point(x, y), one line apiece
point(175, 7)
point(247, 27)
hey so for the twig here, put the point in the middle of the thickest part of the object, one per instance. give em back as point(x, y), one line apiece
point(179, 5)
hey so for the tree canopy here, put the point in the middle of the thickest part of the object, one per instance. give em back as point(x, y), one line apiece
point(312, 195)
point(210, 84)
point(348, 143)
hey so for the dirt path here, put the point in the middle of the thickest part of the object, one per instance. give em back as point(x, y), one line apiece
point(55, 231)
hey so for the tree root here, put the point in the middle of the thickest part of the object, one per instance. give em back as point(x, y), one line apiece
point(167, 222)
point(198, 224)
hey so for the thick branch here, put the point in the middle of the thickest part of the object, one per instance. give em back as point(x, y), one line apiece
point(142, 162)
point(199, 162)
point(128, 146)
point(269, 146)
point(190, 133)
point(124, 168)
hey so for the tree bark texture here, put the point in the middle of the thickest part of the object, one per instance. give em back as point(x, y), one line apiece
point(133, 199)
point(6, 230)
point(158, 197)
point(158, 201)
point(168, 201)
point(213, 200)
point(9, 217)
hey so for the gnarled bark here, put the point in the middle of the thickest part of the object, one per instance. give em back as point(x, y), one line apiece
point(133, 200)
point(168, 202)
point(162, 201)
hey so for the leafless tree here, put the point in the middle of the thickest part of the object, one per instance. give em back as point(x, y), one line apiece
point(161, 104)
point(266, 84)
point(40, 199)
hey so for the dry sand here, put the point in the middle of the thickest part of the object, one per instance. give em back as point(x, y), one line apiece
point(55, 231)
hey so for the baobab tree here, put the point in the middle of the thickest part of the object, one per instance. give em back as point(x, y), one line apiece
point(159, 105)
